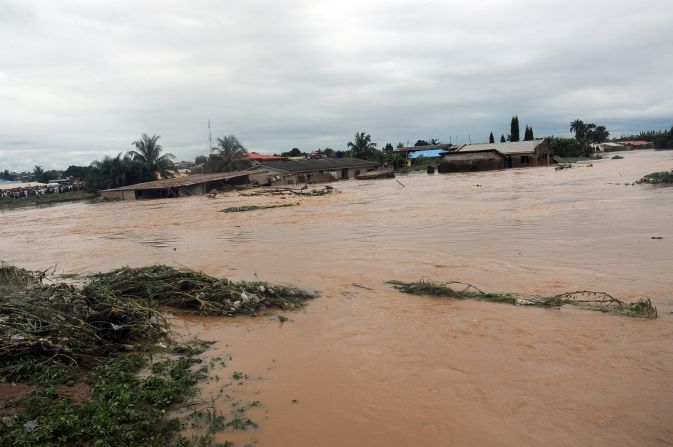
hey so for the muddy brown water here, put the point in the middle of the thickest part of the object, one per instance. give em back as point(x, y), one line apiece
point(379, 368)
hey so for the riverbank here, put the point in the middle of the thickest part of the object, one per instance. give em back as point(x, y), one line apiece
point(46, 199)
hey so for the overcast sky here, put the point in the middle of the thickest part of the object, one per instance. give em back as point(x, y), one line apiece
point(82, 79)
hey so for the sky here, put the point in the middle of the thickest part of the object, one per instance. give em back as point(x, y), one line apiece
point(83, 79)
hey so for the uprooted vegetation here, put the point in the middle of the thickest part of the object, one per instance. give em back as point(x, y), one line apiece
point(104, 333)
point(241, 209)
point(304, 191)
point(599, 301)
point(657, 178)
point(194, 291)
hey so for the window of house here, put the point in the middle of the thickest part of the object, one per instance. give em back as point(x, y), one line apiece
point(525, 159)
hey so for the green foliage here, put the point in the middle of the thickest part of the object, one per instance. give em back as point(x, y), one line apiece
point(6, 175)
point(78, 172)
point(491, 138)
point(502, 138)
point(514, 129)
point(295, 152)
point(568, 147)
point(124, 409)
point(589, 132)
point(200, 159)
point(662, 139)
point(657, 178)
point(528, 134)
point(362, 147)
point(197, 292)
point(232, 155)
point(240, 209)
point(114, 172)
point(148, 152)
point(590, 300)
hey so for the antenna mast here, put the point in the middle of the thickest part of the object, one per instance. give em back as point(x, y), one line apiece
point(210, 138)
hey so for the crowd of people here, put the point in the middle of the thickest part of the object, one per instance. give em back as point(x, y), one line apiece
point(25, 190)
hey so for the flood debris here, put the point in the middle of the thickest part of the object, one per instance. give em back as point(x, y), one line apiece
point(562, 166)
point(193, 291)
point(657, 178)
point(585, 299)
point(111, 334)
point(289, 191)
point(617, 157)
point(241, 209)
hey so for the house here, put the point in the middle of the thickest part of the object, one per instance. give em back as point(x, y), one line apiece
point(488, 156)
point(190, 185)
point(428, 153)
point(637, 144)
point(441, 147)
point(610, 147)
point(292, 172)
point(263, 157)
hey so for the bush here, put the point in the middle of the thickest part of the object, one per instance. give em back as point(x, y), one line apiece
point(569, 147)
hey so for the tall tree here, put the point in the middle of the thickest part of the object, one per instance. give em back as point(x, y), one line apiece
point(148, 152)
point(579, 128)
point(232, 154)
point(596, 134)
point(362, 146)
point(491, 138)
point(528, 135)
point(502, 138)
point(514, 129)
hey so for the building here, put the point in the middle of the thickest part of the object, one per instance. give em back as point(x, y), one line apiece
point(488, 156)
point(190, 185)
point(609, 147)
point(292, 172)
point(428, 153)
point(440, 147)
point(263, 157)
point(637, 144)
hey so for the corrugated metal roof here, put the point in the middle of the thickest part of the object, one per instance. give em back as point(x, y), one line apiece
point(432, 153)
point(518, 147)
point(186, 180)
point(324, 164)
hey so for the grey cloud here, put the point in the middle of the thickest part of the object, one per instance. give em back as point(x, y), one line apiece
point(81, 79)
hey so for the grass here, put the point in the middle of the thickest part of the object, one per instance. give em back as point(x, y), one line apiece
point(110, 334)
point(591, 300)
point(46, 199)
point(657, 178)
point(242, 209)
point(124, 409)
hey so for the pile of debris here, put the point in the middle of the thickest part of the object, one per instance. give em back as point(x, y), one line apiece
point(304, 191)
point(590, 300)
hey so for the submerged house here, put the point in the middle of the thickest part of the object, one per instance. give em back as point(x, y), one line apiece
point(292, 172)
point(189, 185)
point(488, 156)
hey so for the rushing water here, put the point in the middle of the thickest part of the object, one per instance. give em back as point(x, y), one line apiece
point(378, 368)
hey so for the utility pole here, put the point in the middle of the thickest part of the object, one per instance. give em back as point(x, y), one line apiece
point(469, 138)
point(210, 138)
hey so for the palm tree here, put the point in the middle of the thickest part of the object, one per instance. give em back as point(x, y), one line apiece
point(232, 153)
point(579, 128)
point(362, 145)
point(148, 153)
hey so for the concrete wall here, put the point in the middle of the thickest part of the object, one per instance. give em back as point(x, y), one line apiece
point(119, 195)
point(471, 161)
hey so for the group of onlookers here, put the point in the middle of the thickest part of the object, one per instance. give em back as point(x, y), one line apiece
point(20, 191)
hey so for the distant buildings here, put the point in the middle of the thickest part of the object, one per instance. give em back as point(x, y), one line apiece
point(275, 171)
point(488, 156)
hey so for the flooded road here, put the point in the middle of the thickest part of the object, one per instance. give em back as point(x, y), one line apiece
point(379, 368)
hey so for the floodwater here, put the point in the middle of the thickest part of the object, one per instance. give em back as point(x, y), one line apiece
point(366, 365)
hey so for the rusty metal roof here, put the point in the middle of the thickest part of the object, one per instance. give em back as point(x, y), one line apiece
point(188, 180)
